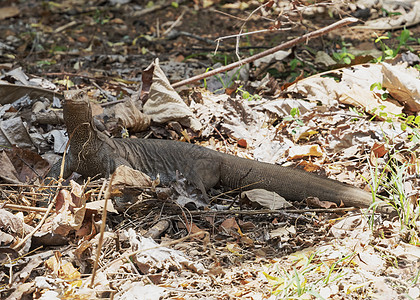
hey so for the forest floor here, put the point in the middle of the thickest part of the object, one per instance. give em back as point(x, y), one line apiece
point(343, 105)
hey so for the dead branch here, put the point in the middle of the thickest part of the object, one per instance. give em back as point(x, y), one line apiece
point(303, 38)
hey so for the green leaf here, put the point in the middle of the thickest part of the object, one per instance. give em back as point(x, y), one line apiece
point(380, 38)
point(376, 85)
point(403, 126)
point(293, 64)
point(389, 53)
point(410, 119)
point(404, 36)
point(294, 112)
point(300, 122)
point(336, 56)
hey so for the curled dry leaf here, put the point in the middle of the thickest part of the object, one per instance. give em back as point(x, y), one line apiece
point(131, 117)
point(14, 132)
point(13, 225)
point(8, 172)
point(62, 269)
point(12, 229)
point(315, 202)
point(350, 226)
point(154, 259)
point(396, 21)
point(164, 103)
point(379, 149)
point(369, 261)
point(298, 152)
point(283, 233)
point(9, 93)
point(230, 224)
point(70, 211)
point(353, 88)
point(9, 12)
point(28, 164)
point(403, 84)
point(265, 198)
point(127, 176)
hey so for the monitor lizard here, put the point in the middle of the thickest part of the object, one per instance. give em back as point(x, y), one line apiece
point(93, 153)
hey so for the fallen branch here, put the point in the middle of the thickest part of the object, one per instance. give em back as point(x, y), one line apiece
point(272, 211)
point(285, 45)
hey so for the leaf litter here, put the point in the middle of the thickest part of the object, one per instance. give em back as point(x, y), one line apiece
point(332, 255)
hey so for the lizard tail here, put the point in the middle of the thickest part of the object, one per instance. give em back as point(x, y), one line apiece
point(292, 184)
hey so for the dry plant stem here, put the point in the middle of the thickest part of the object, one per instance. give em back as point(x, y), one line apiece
point(271, 211)
point(243, 25)
point(286, 45)
point(101, 235)
point(17, 246)
point(233, 190)
point(25, 208)
point(248, 33)
point(101, 190)
point(174, 24)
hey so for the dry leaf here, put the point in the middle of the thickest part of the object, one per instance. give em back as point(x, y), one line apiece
point(298, 152)
point(315, 202)
point(164, 103)
point(127, 176)
point(353, 88)
point(9, 12)
point(265, 198)
point(403, 84)
point(131, 117)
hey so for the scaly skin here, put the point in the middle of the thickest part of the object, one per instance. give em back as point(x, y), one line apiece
point(92, 153)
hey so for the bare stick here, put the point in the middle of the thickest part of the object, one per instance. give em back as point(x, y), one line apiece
point(24, 208)
point(272, 211)
point(50, 207)
point(101, 234)
point(285, 45)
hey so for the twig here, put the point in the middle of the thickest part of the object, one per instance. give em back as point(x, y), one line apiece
point(249, 33)
point(243, 25)
point(271, 211)
point(285, 45)
point(174, 24)
point(101, 235)
point(18, 245)
point(24, 208)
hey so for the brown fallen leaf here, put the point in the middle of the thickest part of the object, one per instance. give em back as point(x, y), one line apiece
point(127, 176)
point(298, 152)
point(265, 198)
point(9, 12)
point(315, 202)
point(11, 92)
point(230, 224)
point(131, 117)
point(379, 149)
point(28, 164)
